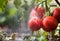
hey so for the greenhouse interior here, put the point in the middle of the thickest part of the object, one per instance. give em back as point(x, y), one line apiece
point(29, 20)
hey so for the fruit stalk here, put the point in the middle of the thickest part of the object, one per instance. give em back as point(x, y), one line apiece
point(46, 5)
point(32, 33)
point(40, 3)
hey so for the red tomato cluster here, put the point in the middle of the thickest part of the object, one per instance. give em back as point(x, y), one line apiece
point(49, 23)
point(35, 21)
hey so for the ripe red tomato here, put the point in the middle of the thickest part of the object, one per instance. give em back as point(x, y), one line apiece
point(36, 11)
point(40, 11)
point(56, 14)
point(49, 23)
point(35, 23)
point(33, 13)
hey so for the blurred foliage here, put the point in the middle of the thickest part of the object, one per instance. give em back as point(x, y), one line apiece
point(42, 38)
point(49, 1)
point(10, 9)
point(17, 3)
point(3, 3)
point(38, 1)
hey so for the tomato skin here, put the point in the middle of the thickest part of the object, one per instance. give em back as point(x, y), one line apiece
point(37, 11)
point(40, 11)
point(49, 23)
point(56, 14)
point(33, 12)
point(35, 23)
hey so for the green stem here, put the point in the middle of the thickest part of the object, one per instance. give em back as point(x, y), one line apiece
point(50, 36)
point(40, 3)
point(47, 8)
point(32, 32)
point(49, 12)
point(37, 34)
point(46, 5)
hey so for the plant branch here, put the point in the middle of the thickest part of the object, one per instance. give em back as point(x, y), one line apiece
point(57, 2)
point(47, 9)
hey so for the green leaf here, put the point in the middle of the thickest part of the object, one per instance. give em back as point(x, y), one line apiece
point(17, 3)
point(0, 10)
point(38, 1)
point(49, 1)
point(42, 38)
point(12, 12)
point(3, 3)
point(45, 33)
